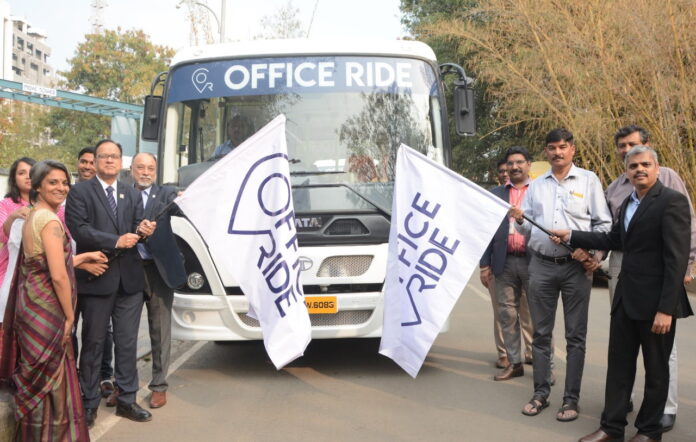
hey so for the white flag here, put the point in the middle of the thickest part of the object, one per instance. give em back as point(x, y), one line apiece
point(441, 225)
point(14, 242)
point(242, 206)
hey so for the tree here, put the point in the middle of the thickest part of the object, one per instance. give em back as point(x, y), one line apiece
point(118, 65)
point(284, 23)
point(474, 157)
point(590, 67)
point(22, 133)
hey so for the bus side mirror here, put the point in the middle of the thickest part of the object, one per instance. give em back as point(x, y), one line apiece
point(151, 117)
point(464, 105)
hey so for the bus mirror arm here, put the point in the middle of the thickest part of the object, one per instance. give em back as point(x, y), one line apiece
point(152, 110)
point(464, 100)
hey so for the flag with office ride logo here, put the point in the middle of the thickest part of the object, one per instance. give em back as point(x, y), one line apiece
point(441, 225)
point(242, 206)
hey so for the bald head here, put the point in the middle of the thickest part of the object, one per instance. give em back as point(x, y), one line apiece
point(144, 170)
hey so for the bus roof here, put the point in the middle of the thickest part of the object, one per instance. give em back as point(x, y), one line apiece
point(269, 48)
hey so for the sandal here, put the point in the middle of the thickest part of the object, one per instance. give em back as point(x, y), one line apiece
point(567, 406)
point(538, 403)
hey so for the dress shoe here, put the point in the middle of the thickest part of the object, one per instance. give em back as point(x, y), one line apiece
point(133, 412)
point(112, 399)
point(158, 399)
point(642, 438)
point(502, 362)
point(512, 371)
point(106, 387)
point(599, 436)
point(90, 417)
point(667, 422)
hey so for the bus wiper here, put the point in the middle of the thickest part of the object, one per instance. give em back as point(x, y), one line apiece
point(360, 195)
point(316, 172)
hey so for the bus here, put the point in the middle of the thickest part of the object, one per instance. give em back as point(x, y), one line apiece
point(349, 104)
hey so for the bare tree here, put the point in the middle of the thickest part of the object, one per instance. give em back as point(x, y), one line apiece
point(283, 23)
point(590, 67)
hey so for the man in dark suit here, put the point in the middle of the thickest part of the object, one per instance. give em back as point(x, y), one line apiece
point(164, 270)
point(653, 231)
point(506, 260)
point(104, 214)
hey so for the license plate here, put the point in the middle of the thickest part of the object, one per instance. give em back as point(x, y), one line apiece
point(321, 304)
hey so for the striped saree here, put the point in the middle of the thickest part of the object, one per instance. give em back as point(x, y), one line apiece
point(48, 398)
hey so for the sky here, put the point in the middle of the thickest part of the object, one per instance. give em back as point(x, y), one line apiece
point(67, 21)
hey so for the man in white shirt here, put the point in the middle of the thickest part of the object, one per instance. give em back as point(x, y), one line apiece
point(566, 197)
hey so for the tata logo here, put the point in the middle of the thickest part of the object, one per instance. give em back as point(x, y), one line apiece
point(305, 263)
point(308, 222)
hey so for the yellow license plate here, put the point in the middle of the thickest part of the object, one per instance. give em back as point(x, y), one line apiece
point(321, 304)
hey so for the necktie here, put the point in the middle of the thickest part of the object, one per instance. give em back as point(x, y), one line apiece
point(110, 199)
point(144, 253)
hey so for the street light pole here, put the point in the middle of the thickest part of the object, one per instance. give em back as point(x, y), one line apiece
point(223, 17)
point(220, 25)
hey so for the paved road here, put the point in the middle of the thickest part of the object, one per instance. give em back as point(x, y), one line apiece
point(343, 390)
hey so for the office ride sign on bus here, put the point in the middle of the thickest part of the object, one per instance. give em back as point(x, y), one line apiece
point(301, 74)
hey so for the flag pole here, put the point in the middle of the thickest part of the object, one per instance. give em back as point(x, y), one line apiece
point(563, 244)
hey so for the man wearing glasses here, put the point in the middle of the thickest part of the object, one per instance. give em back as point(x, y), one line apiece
point(106, 215)
point(506, 261)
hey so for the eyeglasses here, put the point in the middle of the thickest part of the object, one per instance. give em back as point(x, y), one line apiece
point(107, 156)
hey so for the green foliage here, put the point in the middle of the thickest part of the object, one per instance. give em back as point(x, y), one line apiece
point(474, 157)
point(118, 65)
point(23, 134)
point(591, 67)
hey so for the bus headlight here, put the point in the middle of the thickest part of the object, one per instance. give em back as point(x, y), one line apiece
point(195, 281)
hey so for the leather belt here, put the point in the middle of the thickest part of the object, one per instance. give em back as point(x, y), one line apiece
point(517, 254)
point(554, 259)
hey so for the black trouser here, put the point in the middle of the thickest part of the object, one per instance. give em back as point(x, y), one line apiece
point(548, 282)
point(107, 370)
point(124, 310)
point(626, 338)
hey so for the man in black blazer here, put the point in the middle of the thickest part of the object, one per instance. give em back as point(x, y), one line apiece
point(653, 231)
point(164, 269)
point(104, 214)
point(506, 261)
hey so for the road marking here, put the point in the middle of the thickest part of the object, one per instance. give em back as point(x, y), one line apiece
point(486, 297)
point(105, 425)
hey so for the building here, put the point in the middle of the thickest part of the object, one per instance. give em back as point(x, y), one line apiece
point(30, 54)
point(25, 52)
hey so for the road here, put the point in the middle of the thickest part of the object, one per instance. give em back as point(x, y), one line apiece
point(343, 390)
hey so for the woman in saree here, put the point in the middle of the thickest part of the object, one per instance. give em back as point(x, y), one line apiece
point(41, 315)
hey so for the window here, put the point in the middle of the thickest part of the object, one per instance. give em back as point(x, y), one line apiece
point(38, 54)
point(34, 67)
point(20, 43)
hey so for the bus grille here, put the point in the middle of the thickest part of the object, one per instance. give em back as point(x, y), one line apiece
point(342, 266)
point(346, 317)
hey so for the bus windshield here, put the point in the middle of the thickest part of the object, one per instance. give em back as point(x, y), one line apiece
point(346, 117)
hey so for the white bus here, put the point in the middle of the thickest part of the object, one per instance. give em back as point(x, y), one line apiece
point(349, 105)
